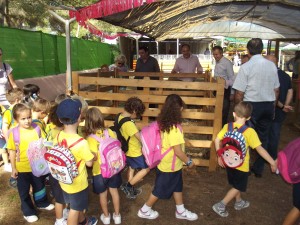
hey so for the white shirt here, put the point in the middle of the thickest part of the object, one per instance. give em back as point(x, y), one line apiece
point(3, 83)
point(257, 78)
point(224, 69)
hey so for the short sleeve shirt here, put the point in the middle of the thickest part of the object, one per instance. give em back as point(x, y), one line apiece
point(224, 69)
point(187, 65)
point(151, 65)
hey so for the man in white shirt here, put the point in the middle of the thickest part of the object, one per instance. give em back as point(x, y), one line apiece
point(187, 63)
point(224, 69)
point(257, 82)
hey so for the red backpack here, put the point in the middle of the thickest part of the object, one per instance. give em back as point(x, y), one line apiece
point(288, 162)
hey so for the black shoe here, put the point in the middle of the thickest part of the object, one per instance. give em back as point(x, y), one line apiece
point(257, 175)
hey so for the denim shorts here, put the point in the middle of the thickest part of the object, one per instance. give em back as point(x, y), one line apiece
point(166, 183)
point(137, 162)
point(101, 184)
point(78, 201)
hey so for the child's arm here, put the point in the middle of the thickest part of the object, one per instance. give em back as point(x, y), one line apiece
point(5, 127)
point(12, 157)
point(89, 163)
point(217, 145)
point(138, 136)
point(181, 155)
point(263, 153)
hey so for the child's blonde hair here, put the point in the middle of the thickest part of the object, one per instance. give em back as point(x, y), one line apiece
point(93, 121)
point(41, 105)
point(18, 108)
point(13, 95)
point(243, 109)
point(53, 116)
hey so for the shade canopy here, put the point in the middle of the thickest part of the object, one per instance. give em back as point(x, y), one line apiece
point(193, 18)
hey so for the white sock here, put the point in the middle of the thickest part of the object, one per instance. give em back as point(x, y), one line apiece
point(145, 208)
point(60, 220)
point(180, 208)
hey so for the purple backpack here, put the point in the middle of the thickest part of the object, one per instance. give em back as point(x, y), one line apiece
point(288, 162)
point(35, 153)
point(112, 157)
point(152, 145)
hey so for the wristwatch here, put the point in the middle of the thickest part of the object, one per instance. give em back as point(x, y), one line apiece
point(189, 162)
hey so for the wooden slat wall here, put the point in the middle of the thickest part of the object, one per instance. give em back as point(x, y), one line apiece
point(204, 100)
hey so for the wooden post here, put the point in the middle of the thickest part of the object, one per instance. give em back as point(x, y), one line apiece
point(75, 82)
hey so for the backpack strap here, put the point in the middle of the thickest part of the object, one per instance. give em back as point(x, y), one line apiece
point(243, 128)
point(230, 127)
point(37, 128)
point(118, 124)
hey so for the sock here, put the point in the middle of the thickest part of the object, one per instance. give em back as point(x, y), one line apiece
point(222, 205)
point(128, 185)
point(145, 208)
point(60, 220)
point(83, 222)
point(180, 208)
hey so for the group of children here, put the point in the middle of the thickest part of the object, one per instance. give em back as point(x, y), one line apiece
point(60, 121)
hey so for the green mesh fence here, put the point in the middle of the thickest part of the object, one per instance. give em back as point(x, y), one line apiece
point(35, 54)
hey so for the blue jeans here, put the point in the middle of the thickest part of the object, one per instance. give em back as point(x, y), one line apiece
point(25, 179)
point(261, 120)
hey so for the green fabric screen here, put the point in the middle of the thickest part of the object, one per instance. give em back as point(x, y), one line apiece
point(35, 54)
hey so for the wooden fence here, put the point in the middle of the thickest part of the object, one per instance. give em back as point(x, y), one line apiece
point(204, 100)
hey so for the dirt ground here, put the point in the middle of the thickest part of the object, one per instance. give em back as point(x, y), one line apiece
point(269, 196)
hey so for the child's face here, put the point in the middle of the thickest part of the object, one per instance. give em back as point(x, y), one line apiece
point(24, 119)
point(42, 115)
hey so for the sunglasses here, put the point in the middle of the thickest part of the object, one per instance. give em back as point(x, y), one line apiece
point(120, 63)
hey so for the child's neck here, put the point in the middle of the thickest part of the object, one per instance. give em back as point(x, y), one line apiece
point(71, 129)
point(126, 114)
point(239, 120)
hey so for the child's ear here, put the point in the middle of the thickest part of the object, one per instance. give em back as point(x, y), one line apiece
point(248, 118)
point(234, 114)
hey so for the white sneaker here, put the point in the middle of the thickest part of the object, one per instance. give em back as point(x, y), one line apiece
point(117, 218)
point(150, 215)
point(186, 215)
point(59, 222)
point(49, 207)
point(66, 213)
point(105, 220)
point(7, 167)
point(31, 219)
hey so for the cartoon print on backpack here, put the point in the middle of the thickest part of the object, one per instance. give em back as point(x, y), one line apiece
point(233, 149)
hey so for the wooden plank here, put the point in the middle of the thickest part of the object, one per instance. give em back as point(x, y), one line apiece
point(166, 92)
point(160, 74)
point(145, 98)
point(198, 143)
point(201, 162)
point(75, 82)
point(206, 86)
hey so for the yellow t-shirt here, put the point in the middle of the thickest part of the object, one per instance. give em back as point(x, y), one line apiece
point(129, 129)
point(40, 123)
point(252, 141)
point(81, 152)
point(8, 118)
point(94, 147)
point(173, 138)
point(26, 136)
point(52, 131)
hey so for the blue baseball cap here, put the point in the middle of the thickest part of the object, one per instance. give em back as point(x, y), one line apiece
point(69, 109)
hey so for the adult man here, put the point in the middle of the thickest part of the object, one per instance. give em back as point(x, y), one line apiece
point(187, 63)
point(257, 82)
point(282, 107)
point(224, 69)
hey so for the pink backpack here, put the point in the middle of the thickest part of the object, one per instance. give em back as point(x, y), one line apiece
point(35, 153)
point(288, 162)
point(112, 157)
point(151, 145)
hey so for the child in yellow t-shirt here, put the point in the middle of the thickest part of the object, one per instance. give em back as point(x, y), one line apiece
point(133, 109)
point(13, 96)
point(238, 177)
point(75, 194)
point(94, 124)
point(169, 173)
point(40, 109)
point(21, 169)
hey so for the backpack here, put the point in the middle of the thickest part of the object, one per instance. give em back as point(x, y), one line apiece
point(35, 152)
point(152, 145)
point(117, 129)
point(112, 157)
point(233, 149)
point(288, 162)
point(61, 161)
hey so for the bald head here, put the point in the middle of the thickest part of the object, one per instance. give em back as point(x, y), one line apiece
point(272, 58)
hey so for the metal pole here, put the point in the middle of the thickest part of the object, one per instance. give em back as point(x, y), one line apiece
point(68, 48)
point(137, 47)
point(177, 48)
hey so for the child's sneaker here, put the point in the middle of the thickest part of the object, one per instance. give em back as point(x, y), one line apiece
point(91, 220)
point(137, 191)
point(241, 205)
point(150, 215)
point(186, 215)
point(220, 209)
point(7, 167)
point(31, 219)
point(117, 218)
point(129, 192)
point(104, 219)
point(61, 222)
point(49, 207)
point(13, 182)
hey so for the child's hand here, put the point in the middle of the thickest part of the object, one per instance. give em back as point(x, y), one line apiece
point(192, 164)
point(14, 173)
point(220, 162)
point(274, 166)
